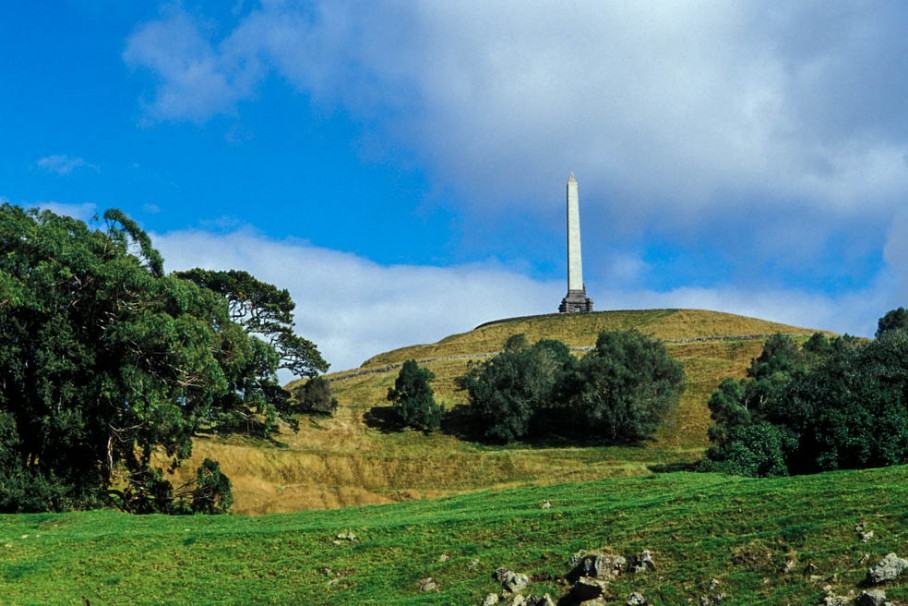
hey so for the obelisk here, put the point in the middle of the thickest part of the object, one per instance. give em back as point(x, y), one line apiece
point(576, 300)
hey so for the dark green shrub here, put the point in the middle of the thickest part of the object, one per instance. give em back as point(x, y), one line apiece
point(413, 398)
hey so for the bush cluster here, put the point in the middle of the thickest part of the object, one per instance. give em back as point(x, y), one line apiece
point(618, 392)
point(838, 403)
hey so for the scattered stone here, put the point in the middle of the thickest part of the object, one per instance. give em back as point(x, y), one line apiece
point(711, 600)
point(324, 570)
point(511, 581)
point(873, 597)
point(888, 569)
point(474, 563)
point(636, 599)
point(490, 600)
point(643, 561)
point(864, 559)
point(427, 585)
point(599, 566)
point(575, 559)
point(836, 600)
point(788, 566)
point(347, 536)
point(866, 536)
point(546, 505)
point(588, 588)
point(444, 558)
point(713, 585)
point(516, 600)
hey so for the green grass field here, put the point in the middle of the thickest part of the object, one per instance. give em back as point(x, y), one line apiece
point(698, 526)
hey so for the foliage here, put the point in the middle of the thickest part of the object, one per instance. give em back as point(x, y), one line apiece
point(894, 319)
point(314, 397)
point(212, 493)
point(626, 385)
point(107, 364)
point(838, 404)
point(617, 392)
point(507, 391)
point(413, 398)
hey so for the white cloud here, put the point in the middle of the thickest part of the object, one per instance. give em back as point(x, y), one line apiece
point(353, 308)
point(669, 113)
point(63, 164)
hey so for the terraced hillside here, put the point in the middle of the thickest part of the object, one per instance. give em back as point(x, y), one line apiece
point(353, 459)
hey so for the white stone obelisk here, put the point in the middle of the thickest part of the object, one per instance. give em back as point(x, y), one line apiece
point(575, 261)
point(576, 299)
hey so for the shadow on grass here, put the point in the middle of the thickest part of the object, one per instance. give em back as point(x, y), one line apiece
point(384, 419)
point(674, 467)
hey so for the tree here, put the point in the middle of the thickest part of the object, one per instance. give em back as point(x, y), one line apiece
point(833, 404)
point(508, 391)
point(314, 397)
point(108, 365)
point(626, 386)
point(213, 492)
point(413, 398)
point(894, 319)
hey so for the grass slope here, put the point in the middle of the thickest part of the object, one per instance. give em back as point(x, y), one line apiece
point(698, 526)
point(353, 459)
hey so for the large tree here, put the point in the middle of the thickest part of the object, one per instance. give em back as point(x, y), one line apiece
point(107, 364)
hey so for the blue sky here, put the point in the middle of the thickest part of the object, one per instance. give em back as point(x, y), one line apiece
point(400, 166)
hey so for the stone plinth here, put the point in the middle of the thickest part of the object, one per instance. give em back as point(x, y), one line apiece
point(576, 301)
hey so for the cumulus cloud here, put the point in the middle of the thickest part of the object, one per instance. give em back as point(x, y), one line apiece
point(765, 137)
point(664, 100)
point(354, 308)
point(63, 164)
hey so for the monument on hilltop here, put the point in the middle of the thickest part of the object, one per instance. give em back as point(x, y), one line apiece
point(576, 300)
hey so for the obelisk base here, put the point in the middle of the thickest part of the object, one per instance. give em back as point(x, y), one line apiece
point(576, 302)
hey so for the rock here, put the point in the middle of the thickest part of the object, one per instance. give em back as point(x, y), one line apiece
point(546, 505)
point(427, 584)
point(474, 563)
point(836, 600)
point(516, 600)
point(873, 597)
point(490, 600)
point(444, 558)
point(545, 600)
point(888, 569)
point(347, 536)
point(511, 581)
point(642, 561)
point(788, 566)
point(866, 536)
point(713, 585)
point(636, 599)
point(599, 566)
point(588, 588)
point(575, 559)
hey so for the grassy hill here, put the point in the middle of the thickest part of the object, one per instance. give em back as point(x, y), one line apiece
point(767, 542)
point(352, 459)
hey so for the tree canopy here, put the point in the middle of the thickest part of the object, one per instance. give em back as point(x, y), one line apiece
point(618, 392)
point(836, 403)
point(107, 364)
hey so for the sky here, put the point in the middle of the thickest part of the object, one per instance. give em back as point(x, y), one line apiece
point(400, 166)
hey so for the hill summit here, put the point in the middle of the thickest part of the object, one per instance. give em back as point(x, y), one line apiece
point(357, 458)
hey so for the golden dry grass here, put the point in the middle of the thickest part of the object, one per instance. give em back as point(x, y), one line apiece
point(343, 461)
